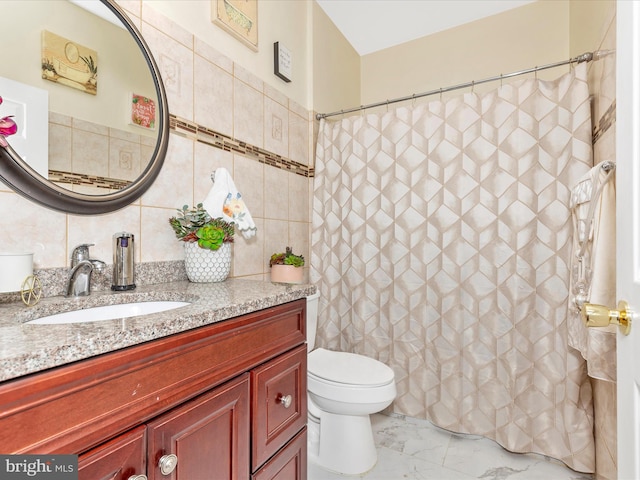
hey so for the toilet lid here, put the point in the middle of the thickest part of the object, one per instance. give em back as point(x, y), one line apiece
point(348, 368)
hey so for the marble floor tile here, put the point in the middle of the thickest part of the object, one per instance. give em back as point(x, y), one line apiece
point(414, 449)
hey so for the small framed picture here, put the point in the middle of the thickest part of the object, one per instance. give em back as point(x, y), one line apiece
point(282, 61)
point(142, 111)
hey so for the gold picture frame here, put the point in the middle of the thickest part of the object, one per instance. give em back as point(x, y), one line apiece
point(239, 18)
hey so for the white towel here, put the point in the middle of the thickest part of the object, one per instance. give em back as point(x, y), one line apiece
point(224, 200)
point(593, 268)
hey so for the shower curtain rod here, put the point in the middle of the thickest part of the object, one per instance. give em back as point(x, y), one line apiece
point(585, 57)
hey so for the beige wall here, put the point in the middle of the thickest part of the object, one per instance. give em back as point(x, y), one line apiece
point(279, 21)
point(535, 34)
point(336, 66)
point(589, 23)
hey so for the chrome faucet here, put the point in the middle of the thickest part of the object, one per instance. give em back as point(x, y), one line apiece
point(81, 269)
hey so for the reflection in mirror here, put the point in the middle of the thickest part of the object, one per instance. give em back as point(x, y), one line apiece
point(88, 101)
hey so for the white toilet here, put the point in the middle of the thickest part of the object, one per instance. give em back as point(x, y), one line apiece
point(343, 390)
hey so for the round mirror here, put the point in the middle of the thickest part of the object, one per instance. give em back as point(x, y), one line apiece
point(86, 94)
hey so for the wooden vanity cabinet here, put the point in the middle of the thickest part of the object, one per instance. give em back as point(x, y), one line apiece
point(228, 399)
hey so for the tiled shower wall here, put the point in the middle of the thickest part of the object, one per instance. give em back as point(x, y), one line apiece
point(602, 85)
point(207, 92)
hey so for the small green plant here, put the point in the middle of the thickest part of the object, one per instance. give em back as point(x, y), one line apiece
point(47, 65)
point(210, 237)
point(196, 225)
point(91, 65)
point(286, 258)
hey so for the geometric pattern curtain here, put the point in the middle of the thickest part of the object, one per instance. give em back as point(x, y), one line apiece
point(441, 236)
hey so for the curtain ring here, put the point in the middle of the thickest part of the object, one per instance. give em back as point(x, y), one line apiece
point(387, 105)
point(440, 93)
point(473, 84)
point(501, 80)
point(413, 100)
point(536, 72)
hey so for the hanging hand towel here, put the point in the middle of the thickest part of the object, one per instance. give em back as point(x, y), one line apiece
point(225, 201)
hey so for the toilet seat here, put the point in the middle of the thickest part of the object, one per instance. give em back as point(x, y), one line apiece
point(348, 369)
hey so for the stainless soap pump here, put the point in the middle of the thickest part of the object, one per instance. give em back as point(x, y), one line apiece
point(123, 262)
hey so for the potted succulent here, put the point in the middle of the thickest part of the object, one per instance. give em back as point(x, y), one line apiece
point(207, 243)
point(286, 267)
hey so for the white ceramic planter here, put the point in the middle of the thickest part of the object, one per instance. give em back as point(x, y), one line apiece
point(207, 266)
point(286, 274)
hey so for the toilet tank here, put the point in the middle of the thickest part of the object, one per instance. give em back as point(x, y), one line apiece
point(312, 320)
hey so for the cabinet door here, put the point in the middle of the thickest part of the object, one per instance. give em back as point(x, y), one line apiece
point(122, 458)
point(290, 463)
point(279, 409)
point(208, 435)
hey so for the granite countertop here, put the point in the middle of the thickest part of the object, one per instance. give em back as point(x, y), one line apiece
point(26, 348)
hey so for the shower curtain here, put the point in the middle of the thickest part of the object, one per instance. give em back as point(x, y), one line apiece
point(441, 237)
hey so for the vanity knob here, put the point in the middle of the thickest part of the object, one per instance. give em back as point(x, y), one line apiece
point(285, 400)
point(137, 477)
point(167, 463)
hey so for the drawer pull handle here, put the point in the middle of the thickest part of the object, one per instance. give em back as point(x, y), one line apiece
point(167, 463)
point(285, 400)
point(137, 477)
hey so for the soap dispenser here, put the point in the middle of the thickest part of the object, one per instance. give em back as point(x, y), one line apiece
point(123, 262)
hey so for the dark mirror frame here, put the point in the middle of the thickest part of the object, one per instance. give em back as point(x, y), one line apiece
point(18, 175)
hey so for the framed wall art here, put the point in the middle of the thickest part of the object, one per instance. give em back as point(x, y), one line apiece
point(69, 63)
point(142, 111)
point(239, 18)
point(282, 61)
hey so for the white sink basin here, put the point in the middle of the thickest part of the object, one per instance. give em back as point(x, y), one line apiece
point(108, 312)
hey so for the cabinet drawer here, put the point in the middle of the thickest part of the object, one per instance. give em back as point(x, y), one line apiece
point(279, 403)
point(288, 464)
point(119, 459)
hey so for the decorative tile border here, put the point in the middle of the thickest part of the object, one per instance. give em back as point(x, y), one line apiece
point(201, 134)
point(219, 140)
point(58, 176)
point(605, 122)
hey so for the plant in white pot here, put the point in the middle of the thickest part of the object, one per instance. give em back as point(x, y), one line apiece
point(207, 243)
point(286, 267)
